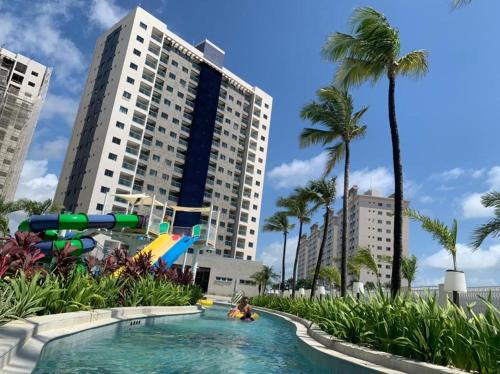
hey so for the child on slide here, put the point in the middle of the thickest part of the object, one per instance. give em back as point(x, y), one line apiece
point(244, 308)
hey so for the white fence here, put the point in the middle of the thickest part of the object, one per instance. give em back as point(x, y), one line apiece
point(470, 299)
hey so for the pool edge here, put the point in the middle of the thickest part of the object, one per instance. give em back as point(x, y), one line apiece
point(22, 341)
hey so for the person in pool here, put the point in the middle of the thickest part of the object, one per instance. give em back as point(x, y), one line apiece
point(244, 308)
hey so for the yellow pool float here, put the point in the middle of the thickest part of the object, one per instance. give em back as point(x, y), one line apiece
point(236, 314)
point(207, 303)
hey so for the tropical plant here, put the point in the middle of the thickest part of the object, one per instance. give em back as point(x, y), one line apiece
point(278, 222)
point(365, 259)
point(492, 227)
point(264, 277)
point(409, 269)
point(34, 207)
point(445, 235)
point(322, 192)
point(258, 277)
point(64, 260)
point(6, 207)
point(298, 205)
point(19, 254)
point(330, 275)
point(372, 51)
point(408, 326)
point(304, 283)
point(354, 267)
point(341, 126)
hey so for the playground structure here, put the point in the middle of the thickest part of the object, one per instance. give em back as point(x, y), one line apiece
point(152, 232)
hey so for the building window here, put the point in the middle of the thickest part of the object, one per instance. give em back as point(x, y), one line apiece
point(120, 125)
point(174, 63)
point(137, 52)
point(31, 84)
point(127, 95)
point(123, 110)
point(142, 25)
point(112, 156)
point(140, 39)
point(223, 279)
point(116, 140)
point(34, 73)
point(130, 80)
point(104, 189)
point(99, 207)
point(133, 66)
point(108, 173)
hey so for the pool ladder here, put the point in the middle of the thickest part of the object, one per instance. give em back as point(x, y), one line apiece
point(237, 297)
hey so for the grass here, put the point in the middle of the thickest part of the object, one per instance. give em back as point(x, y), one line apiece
point(416, 328)
point(41, 294)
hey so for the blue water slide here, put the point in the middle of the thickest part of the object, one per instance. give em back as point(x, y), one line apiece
point(178, 249)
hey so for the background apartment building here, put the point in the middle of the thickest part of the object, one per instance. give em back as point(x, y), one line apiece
point(370, 225)
point(23, 86)
point(163, 117)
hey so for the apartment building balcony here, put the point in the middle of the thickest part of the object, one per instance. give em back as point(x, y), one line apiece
point(132, 150)
point(125, 182)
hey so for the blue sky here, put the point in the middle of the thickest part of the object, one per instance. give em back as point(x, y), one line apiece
point(448, 120)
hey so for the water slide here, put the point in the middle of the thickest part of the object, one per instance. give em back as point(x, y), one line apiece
point(50, 222)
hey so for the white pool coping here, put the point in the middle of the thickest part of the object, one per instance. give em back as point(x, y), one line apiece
point(310, 334)
point(22, 341)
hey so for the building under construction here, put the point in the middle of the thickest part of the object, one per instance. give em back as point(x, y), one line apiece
point(23, 86)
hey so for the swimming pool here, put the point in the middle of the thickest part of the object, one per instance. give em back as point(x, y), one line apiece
point(210, 343)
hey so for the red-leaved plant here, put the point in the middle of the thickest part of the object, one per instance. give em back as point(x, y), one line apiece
point(115, 260)
point(139, 266)
point(63, 260)
point(19, 253)
point(174, 275)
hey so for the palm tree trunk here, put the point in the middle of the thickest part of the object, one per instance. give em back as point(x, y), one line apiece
point(283, 266)
point(296, 261)
point(320, 254)
point(345, 214)
point(398, 191)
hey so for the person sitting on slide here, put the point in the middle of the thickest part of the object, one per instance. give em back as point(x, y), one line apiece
point(244, 308)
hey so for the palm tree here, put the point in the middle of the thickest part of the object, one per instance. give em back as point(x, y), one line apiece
point(370, 53)
point(364, 258)
point(460, 3)
point(278, 222)
point(492, 227)
point(322, 192)
point(297, 205)
point(263, 277)
point(6, 207)
point(258, 277)
point(33, 207)
point(334, 111)
point(330, 275)
point(445, 235)
point(409, 269)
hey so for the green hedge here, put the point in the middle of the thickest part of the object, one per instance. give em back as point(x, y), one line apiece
point(414, 328)
point(23, 296)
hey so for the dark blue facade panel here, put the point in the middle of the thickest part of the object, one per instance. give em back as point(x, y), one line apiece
point(200, 143)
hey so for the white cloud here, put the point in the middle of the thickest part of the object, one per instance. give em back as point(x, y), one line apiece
point(105, 13)
point(54, 149)
point(472, 207)
point(37, 33)
point(297, 172)
point(478, 173)
point(466, 258)
point(35, 183)
point(272, 255)
point(379, 179)
point(449, 174)
point(494, 178)
point(59, 106)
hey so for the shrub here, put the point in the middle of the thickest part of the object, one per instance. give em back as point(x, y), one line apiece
point(415, 328)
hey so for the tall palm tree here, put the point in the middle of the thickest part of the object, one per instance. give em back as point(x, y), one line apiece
point(268, 274)
point(33, 207)
point(364, 258)
point(445, 235)
point(6, 207)
point(258, 277)
point(323, 192)
point(372, 51)
point(278, 222)
point(297, 205)
point(492, 227)
point(334, 111)
point(409, 269)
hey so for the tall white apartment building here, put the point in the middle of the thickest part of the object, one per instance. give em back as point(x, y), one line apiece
point(23, 86)
point(370, 225)
point(163, 117)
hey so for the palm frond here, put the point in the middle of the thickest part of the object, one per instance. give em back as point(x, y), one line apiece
point(409, 268)
point(439, 231)
point(491, 199)
point(354, 72)
point(413, 64)
point(278, 222)
point(311, 136)
point(490, 228)
point(460, 3)
point(335, 155)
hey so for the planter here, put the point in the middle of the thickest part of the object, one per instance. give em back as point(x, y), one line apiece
point(321, 290)
point(454, 280)
point(358, 287)
point(302, 291)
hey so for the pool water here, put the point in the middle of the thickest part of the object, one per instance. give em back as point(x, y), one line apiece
point(210, 343)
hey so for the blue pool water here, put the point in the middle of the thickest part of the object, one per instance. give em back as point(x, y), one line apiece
point(210, 343)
